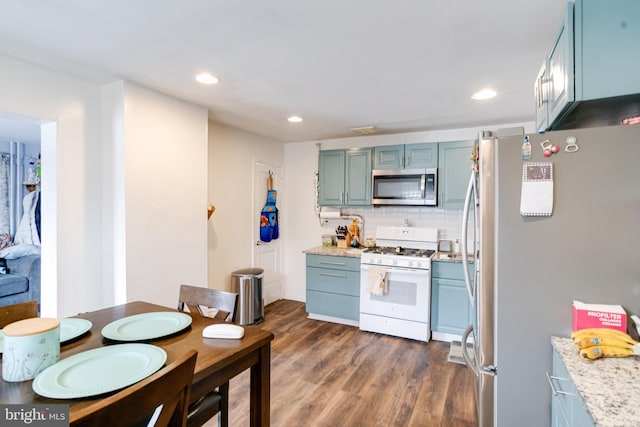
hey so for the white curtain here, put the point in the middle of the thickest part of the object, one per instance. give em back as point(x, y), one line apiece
point(5, 165)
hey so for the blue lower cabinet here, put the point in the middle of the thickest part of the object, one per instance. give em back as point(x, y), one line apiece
point(334, 305)
point(450, 314)
point(450, 308)
point(333, 287)
point(567, 407)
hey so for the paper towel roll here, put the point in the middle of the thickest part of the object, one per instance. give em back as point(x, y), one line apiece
point(329, 213)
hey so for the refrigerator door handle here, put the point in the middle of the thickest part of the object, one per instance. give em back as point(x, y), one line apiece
point(464, 234)
point(464, 348)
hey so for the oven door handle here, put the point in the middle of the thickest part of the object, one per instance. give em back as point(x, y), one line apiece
point(410, 271)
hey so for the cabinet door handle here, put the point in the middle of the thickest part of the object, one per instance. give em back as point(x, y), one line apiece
point(342, 264)
point(539, 93)
point(553, 389)
point(342, 276)
point(541, 90)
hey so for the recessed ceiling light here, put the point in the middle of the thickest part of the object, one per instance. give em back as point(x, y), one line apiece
point(207, 79)
point(484, 94)
point(295, 119)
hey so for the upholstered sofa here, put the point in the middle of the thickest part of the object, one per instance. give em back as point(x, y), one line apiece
point(22, 283)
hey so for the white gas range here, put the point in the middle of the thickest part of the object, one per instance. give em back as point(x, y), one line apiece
point(402, 256)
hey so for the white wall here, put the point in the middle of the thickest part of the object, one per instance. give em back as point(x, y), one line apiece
point(165, 169)
point(74, 105)
point(113, 190)
point(305, 230)
point(124, 188)
point(232, 154)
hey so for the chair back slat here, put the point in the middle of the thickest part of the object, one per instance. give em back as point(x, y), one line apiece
point(13, 313)
point(135, 405)
point(194, 297)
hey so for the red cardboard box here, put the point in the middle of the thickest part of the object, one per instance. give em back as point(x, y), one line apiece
point(587, 316)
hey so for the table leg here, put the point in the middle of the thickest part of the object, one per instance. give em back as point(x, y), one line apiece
point(261, 389)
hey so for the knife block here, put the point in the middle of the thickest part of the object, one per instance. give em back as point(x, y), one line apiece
point(344, 243)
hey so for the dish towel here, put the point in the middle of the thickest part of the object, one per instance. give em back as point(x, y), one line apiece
point(377, 280)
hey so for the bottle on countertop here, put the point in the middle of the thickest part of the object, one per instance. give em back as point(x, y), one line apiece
point(354, 231)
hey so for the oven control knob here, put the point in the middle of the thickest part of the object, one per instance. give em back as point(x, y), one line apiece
point(410, 263)
point(418, 264)
point(395, 262)
point(379, 260)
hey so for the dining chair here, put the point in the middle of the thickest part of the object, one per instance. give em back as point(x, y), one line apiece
point(167, 391)
point(195, 297)
point(20, 311)
point(216, 401)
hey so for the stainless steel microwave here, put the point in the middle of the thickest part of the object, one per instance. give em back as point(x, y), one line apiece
point(405, 187)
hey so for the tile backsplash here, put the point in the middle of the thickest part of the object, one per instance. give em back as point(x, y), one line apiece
point(446, 220)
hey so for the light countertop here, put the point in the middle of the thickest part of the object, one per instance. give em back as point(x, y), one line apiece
point(335, 251)
point(609, 387)
point(449, 257)
point(357, 252)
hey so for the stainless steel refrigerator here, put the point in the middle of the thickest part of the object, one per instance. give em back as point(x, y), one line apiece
point(529, 269)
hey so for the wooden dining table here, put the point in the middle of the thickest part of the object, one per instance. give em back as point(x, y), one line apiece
point(218, 361)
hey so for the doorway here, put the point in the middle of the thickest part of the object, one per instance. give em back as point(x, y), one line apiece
point(30, 142)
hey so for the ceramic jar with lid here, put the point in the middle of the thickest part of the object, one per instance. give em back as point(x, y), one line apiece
point(327, 240)
point(30, 346)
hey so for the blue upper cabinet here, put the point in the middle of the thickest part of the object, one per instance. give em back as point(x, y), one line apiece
point(421, 156)
point(409, 156)
point(606, 48)
point(592, 58)
point(554, 87)
point(345, 177)
point(358, 177)
point(454, 170)
point(560, 70)
point(331, 170)
point(388, 157)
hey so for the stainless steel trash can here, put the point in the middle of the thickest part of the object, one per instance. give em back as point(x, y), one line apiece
point(247, 283)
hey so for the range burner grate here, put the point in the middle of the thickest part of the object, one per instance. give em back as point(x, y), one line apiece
point(400, 251)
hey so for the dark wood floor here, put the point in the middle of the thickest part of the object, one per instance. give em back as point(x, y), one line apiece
point(326, 374)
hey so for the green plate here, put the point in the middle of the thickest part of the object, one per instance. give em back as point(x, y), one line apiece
point(71, 328)
point(146, 326)
point(98, 371)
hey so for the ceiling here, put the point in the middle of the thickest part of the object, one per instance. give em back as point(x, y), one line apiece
point(401, 66)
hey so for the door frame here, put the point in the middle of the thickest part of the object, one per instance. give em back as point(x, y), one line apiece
point(257, 167)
